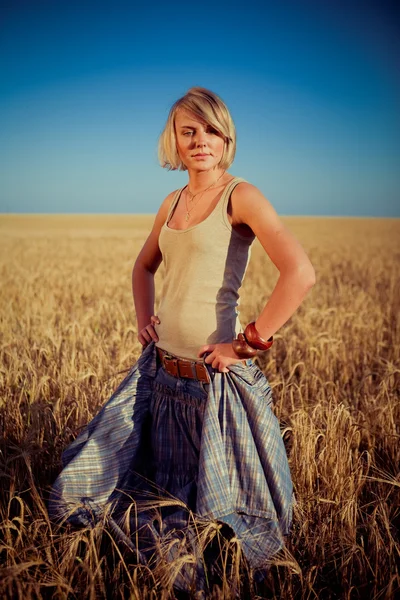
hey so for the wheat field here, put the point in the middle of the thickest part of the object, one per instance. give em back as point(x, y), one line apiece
point(68, 336)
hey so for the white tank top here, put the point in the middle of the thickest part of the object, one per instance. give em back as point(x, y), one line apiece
point(204, 269)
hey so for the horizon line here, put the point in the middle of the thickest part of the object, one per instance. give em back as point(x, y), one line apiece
point(27, 214)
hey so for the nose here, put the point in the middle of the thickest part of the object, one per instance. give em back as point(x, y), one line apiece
point(200, 138)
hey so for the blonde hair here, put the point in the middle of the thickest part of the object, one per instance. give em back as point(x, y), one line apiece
point(211, 109)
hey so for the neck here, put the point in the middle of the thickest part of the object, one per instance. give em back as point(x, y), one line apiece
point(199, 180)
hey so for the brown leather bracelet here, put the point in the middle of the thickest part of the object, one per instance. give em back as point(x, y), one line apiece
point(254, 339)
point(242, 348)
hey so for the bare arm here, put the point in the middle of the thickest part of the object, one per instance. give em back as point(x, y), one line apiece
point(145, 267)
point(296, 273)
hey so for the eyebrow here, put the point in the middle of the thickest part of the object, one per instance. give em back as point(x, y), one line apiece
point(194, 126)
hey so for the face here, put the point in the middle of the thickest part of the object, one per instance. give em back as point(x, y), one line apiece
point(200, 146)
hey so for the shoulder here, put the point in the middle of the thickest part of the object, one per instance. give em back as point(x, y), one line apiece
point(248, 200)
point(245, 190)
point(166, 205)
point(169, 199)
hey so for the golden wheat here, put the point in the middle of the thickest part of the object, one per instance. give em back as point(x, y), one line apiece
point(67, 336)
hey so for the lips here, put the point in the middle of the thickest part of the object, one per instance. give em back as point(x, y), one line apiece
point(201, 154)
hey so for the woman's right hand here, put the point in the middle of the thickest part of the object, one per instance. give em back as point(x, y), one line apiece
point(148, 333)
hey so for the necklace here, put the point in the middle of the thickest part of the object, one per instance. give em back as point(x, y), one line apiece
point(203, 191)
point(189, 210)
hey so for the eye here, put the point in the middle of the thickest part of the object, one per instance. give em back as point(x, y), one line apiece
point(188, 133)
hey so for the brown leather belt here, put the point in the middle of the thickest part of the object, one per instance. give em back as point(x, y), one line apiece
point(182, 367)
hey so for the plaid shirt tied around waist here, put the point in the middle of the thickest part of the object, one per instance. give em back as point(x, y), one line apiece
point(243, 476)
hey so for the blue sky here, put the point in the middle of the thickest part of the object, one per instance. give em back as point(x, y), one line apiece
point(313, 88)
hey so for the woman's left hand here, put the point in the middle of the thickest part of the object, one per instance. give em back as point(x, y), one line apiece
point(220, 357)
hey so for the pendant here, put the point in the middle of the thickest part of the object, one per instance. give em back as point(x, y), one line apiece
point(187, 217)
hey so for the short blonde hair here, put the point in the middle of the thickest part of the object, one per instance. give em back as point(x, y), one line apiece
point(211, 109)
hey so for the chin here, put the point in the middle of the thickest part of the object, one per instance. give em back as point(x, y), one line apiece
point(205, 167)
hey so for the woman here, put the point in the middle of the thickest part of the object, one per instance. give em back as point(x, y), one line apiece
point(192, 421)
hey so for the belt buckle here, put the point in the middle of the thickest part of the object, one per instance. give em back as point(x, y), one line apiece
point(171, 366)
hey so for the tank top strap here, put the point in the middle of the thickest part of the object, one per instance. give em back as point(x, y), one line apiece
point(223, 203)
point(174, 202)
